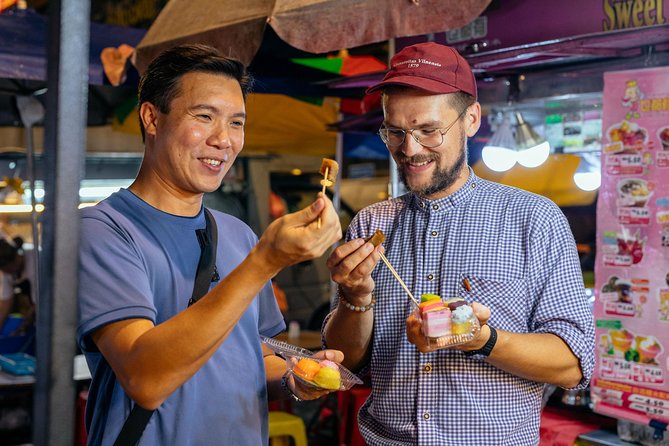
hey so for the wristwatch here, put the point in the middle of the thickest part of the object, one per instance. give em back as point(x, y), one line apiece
point(487, 348)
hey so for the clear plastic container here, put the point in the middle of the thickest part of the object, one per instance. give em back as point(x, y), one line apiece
point(457, 334)
point(311, 371)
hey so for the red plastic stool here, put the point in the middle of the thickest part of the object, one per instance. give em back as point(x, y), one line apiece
point(349, 404)
point(81, 437)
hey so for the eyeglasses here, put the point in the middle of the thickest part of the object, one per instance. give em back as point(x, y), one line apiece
point(426, 137)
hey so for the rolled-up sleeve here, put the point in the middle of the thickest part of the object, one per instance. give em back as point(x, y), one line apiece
point(561, 307)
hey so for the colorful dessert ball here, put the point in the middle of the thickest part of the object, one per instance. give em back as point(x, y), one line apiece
point(455, 303)
point(306, 368)
point(328, 363)
point(461, 317)
point(328, 378)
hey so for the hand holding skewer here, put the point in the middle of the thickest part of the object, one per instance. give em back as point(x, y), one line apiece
point(376, 239)
point(329, 169)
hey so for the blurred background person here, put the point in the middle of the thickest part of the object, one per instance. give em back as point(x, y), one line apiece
point(17, 304)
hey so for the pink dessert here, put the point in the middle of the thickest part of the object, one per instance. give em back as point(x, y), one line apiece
point(329, 364)
point(437, 322)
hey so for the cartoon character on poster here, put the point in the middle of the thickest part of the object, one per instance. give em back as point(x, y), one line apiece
point(631, 99)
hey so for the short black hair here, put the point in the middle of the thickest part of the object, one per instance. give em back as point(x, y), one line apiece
point(160, 83)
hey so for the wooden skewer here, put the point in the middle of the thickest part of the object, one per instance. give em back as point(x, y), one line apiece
point(325, 177)
point(399, 279)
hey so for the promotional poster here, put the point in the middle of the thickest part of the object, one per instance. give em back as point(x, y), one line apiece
point(632, 268)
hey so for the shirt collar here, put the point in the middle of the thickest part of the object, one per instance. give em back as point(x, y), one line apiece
point(449, 202)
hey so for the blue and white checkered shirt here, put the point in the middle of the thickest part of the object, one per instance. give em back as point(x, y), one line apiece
point(518, 253)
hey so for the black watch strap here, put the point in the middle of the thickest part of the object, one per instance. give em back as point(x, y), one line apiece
point(487, 348)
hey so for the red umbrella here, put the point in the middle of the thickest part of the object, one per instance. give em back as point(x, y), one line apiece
point(317, 26)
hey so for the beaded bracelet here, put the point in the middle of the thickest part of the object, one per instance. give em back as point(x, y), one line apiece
point(357, 308)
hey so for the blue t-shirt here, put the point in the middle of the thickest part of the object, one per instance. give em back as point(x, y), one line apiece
point(139, 262)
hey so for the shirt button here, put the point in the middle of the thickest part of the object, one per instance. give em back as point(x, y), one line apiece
point(435, 206)
point(430, 277)
point(473, 185)
point(421, 204)
point(427, 368)
point(434, 233)
point(426, 416)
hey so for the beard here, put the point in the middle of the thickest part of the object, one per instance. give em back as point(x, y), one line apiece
point(441, 179)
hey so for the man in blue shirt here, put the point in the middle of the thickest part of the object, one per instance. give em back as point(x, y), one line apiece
point(201, 366)
point(508, 252)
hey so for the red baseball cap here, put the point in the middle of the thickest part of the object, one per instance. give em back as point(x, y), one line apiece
point(431, 67)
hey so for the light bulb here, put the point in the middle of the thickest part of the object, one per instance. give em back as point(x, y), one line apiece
point(588, 175)
point(499, 159)
point(588, 181)
point(533, 150)
point(534, 156)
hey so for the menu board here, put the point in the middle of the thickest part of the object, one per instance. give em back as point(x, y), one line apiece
point(631, 377)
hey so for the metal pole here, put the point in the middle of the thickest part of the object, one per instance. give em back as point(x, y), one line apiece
point(394, 186)
point(64, 151)
point(30, 156)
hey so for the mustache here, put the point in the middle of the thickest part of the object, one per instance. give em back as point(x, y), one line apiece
point(416, 159)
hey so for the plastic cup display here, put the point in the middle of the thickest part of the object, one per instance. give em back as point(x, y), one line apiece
point(648, 349)
point(621, 341)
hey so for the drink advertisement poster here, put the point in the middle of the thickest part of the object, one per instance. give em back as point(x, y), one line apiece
point(631, 379)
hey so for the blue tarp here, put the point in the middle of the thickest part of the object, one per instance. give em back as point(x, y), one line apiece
point(23, 45)
point(364, 146)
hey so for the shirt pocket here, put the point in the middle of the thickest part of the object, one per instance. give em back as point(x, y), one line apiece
point(509, 300)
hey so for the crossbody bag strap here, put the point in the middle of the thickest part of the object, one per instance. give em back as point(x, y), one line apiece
point(206, 267)
point(134, 425)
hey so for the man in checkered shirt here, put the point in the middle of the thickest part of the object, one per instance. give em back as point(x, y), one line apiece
point(508, 252)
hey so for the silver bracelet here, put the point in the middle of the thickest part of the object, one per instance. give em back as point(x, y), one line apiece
point(358, 308)
point(286, 389)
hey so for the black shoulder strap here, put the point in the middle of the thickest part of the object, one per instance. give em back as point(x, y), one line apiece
point(139, 417)
point(134, 426)
point(206, 267)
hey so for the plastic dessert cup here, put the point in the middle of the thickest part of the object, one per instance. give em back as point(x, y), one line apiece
point(326, 377)
point(621, 340)
point(648, 349)
point(460, 333)
point(320, 374)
